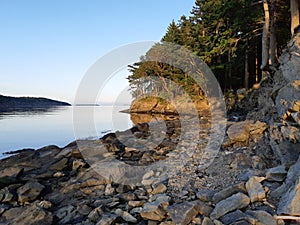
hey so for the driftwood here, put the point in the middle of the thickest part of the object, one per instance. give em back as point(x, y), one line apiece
point(297, 218)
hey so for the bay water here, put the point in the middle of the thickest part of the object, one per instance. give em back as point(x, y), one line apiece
point(38, 128)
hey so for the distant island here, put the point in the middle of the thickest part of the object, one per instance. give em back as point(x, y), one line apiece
point(8, 103)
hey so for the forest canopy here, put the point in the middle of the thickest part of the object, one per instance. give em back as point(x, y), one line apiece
point(240, 40)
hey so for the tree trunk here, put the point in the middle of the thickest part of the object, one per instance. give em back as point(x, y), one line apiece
point(294, 14)
point(265, 37)
point(229, 72)
point(246, 80)
point(273, 41)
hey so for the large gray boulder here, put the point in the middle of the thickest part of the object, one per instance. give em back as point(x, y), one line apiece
point(261, 217)
point(289, 202)
point(234, 202)
point(288, 99)
point(183, 213)
point(30, 215)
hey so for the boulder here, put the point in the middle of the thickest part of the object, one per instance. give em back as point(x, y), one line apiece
point(126, 216)
point(227, 192)
point(183, 213)
point(107, 219)
point(203, 208)
point(239, 132)
point(135, 204)
point(143, 105)
point(234, 202)
point(66, 214)
point(30, 191)
point(60, 165)
point(290, 60)
point(257, 128)
point(95, 214)
point(207, 221)
point(77, 164)
point(159, 188)
point(288, 99)
point(261, 217)
point(9, 175)
point(233, 217)
point(32, 215)
point(255, 190)
point(6, 195)
point(156, 210)
point(289, 202)
point(277, 174)
point(205, 195)
point(296, 117)
point(291, 133)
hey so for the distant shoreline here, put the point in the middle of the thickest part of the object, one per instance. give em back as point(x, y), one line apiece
point(8, 103)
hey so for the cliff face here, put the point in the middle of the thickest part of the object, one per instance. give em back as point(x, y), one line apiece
point(277, 102)
point(10, 103)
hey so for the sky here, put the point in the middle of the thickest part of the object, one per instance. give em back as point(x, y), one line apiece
point(47, 47)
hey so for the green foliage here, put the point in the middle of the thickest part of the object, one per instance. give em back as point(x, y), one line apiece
point(221, 32)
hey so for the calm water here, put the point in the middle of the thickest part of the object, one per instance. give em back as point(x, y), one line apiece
point(35, 129)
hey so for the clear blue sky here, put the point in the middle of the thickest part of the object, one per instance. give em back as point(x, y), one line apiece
point(46, 46)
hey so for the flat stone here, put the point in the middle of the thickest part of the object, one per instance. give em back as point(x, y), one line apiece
point(277, 174)
point(95, 214)
point(203, 208)
point(234, 202)
point(84, 210)
point(45, 204)
point(207, 221)
point(127, 196)
point(227, 192)
point(257, 127)
point(7, 193)
point(255, 190)
point(156, 210)
point(135, 204)
point(234, 217)
point(109, 190)
point(107, 219)
point(66, 214)
point(296, 117)
point(287, 98)
point(3, 208)
point(262, 217)
point(60, 165)
point(182, 213)
point(126, 216)
point(159, 188)
point(291, 133)
point(77, 164)
point(239, 132)
point(29, 192)
point(9, 175)
point(28, 215)
point(205, 196)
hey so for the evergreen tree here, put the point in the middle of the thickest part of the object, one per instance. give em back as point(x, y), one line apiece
point(228, 36)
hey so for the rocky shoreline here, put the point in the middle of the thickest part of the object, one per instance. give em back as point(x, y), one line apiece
point(253, 179)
